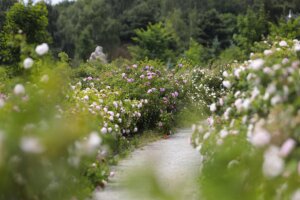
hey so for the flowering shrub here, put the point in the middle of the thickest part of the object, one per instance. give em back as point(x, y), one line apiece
point(206, 87)
point(67, 131)
point(250, 143)
point(155, 91)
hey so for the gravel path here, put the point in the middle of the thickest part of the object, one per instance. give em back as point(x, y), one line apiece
point(173, 161)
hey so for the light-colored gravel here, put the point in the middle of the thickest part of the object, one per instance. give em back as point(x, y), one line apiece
point(174, 161)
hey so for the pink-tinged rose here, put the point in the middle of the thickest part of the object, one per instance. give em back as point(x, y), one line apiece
point(287, 147)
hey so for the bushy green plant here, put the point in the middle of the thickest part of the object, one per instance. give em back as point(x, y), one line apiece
point(251, 28)
point(30, 20)
point(286, 29)
point(196, 53)
point(158, 41)
point(250, 143)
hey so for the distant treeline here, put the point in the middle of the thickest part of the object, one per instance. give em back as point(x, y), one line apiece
point(78, 27)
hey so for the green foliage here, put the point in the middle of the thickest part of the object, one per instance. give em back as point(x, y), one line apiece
point(231, 54)
point(30, 20)
point(158, 41)
point(138, 16)
point(4, 7)
point(213, 26)
point(286, 29)
point(250, 144)
point(251, 28)
point(91, 26)
point(196, 53)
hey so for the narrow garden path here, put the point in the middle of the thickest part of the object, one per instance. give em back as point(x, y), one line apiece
point(174, 163)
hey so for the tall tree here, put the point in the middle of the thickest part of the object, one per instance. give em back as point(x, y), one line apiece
point(4, 7)
point(31, 20)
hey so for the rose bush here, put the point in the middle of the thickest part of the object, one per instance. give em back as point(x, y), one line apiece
point(250, 143)
point(59, 134)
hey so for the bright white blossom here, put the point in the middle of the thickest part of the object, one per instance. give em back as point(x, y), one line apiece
point(257, 64)
point(227, 84)
point(260, 138)
point(19, 89)
point(42, 49)
point(296, 195)
point(283, 43)
point(28, 62)
point(287, 147)
point(213, 107)
point(273, 164)
point(94, 140)
point(31, 145)
point(268, 52)
point(225, 74)
point(104, 130)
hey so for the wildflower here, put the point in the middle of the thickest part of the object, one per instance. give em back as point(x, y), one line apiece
point(255, 92)
point(86, 98)
point(206, 136)
point(105, 109)
point(210, 121)
point(123, 75)
point(130, 80)
point(260, 137)
point(273, 165)
point(42, 49)
point(223, 133)
point(111, 174)
point(296, 195)
point(227, 84)
point(276, 99)
point(225, 74)
point(268, 70)
point(213, 107)
point(246, 104)
point(104, 130)
point(135, 129)
point(226, 113)
point(28, 62)
point(31, 145)
point(283, 43)
point(268, 52)
point(93, 140)
point(238, 104)
point(285, 61)
point(162, 89)
point(221, 101)
point(115, 104)
point(142, 76)
point(237, 72)
point(109, 129)
point(134, 66)
point(257, 64)
point(19, 89)
point(297, 47)
point(271, 88)
point(287, 147)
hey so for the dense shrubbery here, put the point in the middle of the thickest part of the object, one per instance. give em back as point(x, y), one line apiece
point(66, 130)
point(250, 145)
